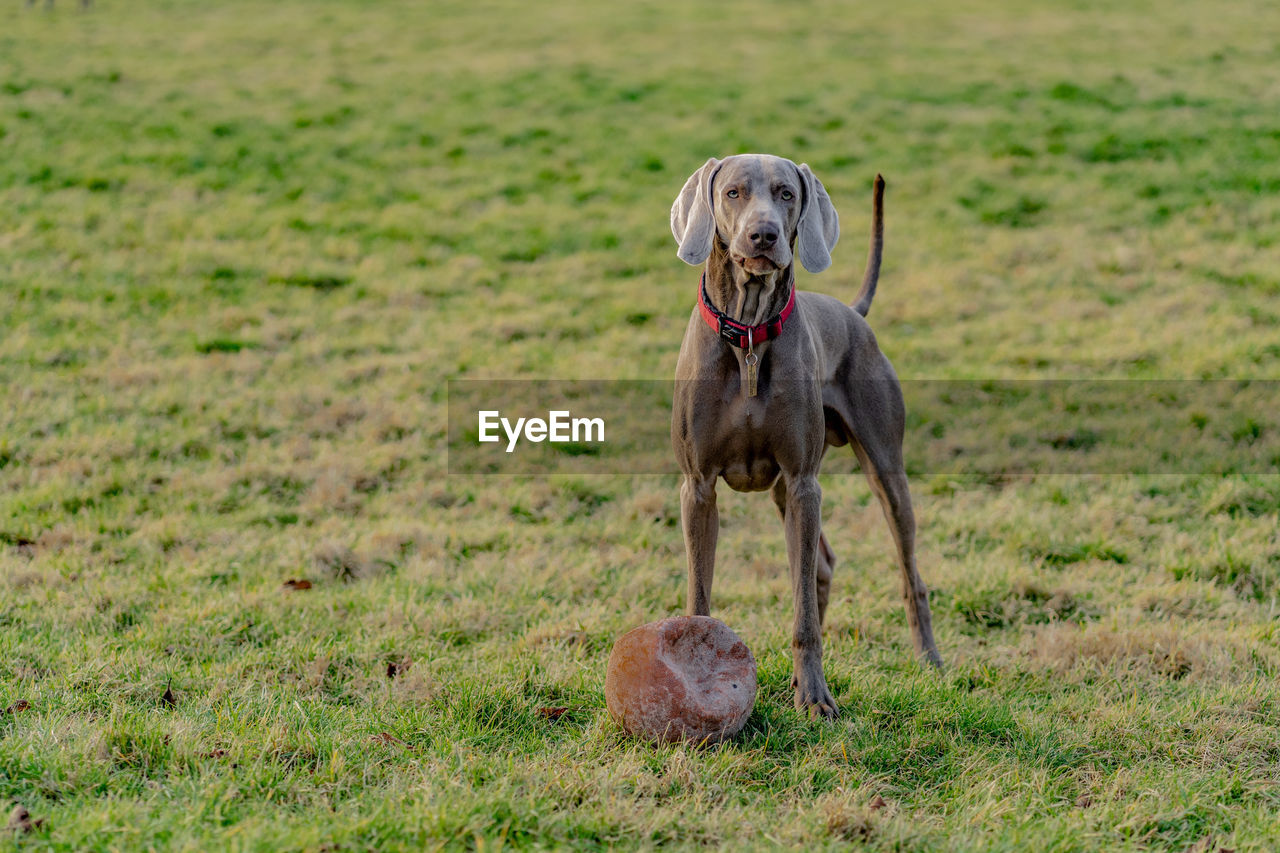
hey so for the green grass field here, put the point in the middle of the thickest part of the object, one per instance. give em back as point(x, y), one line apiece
point(243, 247)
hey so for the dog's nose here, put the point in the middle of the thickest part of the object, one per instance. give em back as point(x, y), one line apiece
point(763, 237)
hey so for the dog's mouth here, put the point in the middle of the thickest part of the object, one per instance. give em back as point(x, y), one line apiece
point(758, 264)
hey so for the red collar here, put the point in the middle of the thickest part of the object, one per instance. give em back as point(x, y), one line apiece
point(734, 332)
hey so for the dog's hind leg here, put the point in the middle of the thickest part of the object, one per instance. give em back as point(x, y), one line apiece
point(890, 485)
point(881, 459)
point(877, 441)
point(826, 557)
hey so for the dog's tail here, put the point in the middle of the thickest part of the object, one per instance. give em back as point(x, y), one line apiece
point(869, 278)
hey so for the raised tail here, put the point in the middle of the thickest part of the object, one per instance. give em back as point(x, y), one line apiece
point(869, 278)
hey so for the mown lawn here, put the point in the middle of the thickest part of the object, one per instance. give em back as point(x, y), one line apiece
point(244, 246)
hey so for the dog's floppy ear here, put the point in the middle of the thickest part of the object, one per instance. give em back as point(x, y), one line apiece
point(819, 227)
point(692, 221)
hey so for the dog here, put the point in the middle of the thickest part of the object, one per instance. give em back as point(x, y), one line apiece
point(768, 378)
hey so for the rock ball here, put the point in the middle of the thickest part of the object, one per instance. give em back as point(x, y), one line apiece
point(685, 678)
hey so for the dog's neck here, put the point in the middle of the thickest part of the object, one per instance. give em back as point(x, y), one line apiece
point(748, 299)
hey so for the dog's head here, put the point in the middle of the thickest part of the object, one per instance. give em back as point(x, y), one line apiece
point(758, 207)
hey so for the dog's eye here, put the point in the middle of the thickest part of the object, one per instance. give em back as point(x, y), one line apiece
point(786, 195)
point(732, 193)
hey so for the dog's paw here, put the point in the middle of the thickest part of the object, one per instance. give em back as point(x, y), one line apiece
point(816, 701)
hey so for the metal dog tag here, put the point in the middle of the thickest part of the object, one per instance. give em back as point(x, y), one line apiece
point(753, 361)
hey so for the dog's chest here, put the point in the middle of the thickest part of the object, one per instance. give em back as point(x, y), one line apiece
point(743, 443)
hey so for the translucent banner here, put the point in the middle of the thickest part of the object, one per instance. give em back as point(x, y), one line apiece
point(984, 428)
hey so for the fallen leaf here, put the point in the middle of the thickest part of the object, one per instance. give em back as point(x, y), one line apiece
point(297, 584)
point(397, 668)
point(1084, 801)
point(877, 803)
point(18, 707)
point(389, 739)
point(552, 714)
point(217, 753)
point(168, 699)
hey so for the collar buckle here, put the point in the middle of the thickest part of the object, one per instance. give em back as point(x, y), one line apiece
point(729, 333)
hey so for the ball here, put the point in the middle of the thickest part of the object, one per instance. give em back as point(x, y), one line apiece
point(687, 678)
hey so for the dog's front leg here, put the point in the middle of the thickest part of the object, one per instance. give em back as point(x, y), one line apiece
point(803, 522)
point(701, 522)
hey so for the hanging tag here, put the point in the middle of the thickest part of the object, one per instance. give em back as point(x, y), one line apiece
point(753, 362)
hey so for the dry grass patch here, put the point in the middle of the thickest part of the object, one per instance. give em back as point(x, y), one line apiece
point(1151, 649)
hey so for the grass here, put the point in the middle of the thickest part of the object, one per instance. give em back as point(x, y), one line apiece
point(244, 246)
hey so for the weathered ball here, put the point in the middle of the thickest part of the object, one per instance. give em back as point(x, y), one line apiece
point(685, 678)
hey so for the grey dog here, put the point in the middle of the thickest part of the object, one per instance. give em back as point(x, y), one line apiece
point(768, 379)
